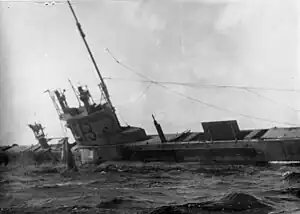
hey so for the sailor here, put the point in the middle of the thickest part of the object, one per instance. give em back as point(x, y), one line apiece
point(84, 97)
point(63, 98)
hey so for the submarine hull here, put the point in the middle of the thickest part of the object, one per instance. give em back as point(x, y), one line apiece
point(220, 141)
point(240, 152)
point(236, 151)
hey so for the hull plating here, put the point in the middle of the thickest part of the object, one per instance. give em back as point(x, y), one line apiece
point(223, 151)
point(221, 141)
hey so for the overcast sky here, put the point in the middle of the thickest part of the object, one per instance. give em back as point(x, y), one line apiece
point(220, 42)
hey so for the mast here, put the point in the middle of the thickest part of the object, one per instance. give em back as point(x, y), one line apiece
point(54, 102)
point(78, 100)
point(102, 84)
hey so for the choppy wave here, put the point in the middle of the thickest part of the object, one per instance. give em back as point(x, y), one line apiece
point(292, 176)
point(153, 188)
point(233, 202)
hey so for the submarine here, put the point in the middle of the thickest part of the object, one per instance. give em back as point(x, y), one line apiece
point(100, 136)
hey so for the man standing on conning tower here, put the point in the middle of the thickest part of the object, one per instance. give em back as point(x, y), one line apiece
point(84, 96)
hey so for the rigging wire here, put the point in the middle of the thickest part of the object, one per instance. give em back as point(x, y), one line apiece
point(271, 100)
point(196, 85)
point(226, 110)
point(141, 94)
point(196, 100)
point(135, 100)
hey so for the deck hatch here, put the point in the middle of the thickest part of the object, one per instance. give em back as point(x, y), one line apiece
point(221, 130)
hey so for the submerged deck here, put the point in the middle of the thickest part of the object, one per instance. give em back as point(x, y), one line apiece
point(220, 141)
point(226, 131)
point(217, 132)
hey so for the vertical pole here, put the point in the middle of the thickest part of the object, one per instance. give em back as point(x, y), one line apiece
point(104, 88)
point(79, 103)
point(68, 156)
